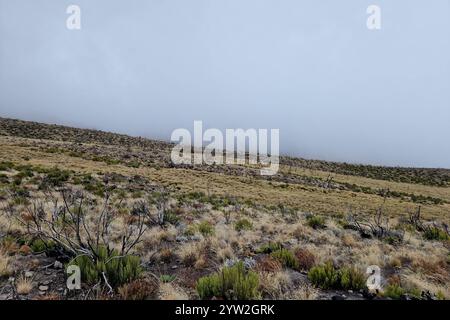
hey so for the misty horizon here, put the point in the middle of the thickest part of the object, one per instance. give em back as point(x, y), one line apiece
point(336, 90)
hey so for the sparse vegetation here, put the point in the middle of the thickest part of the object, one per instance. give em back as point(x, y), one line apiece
point(143, 228)
point(316, 222)
point(243, 224)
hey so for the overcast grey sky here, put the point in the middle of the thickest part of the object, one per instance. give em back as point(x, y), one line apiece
point(336, 90)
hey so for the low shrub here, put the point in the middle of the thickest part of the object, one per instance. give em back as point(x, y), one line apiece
point(270, 247)
point(55, 177)
point(393, 291)
point(243, 224)
point(326, 276)
point(171, 217)
point(139, 290)
point(286, 258)
point(268, 264)
point(205, 228)
point(166, 278)
point(5, 269)
point(435, 233)
point(316, 222)
point(352, 279)
point(231, 283)
point(6, 165)
point(39, 245)
point(117, 269)
point(305, 258)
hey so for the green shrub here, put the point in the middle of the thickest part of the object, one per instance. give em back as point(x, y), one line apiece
point(190, 231)
point(118, 269)
point(206, 228)
point(270, 247)
point(231, 283)
point(137, 194)
point(4, 178)
point(243, 224)
point(435, 233)
point(96, 188)
point(55, 177)
point(352, 279)
point(39, 245)
point(326, 276)
point(393, 291)
point(286, 257)
point(171, 217)
point(166, 278)
point(6, 165)
point(316, 222)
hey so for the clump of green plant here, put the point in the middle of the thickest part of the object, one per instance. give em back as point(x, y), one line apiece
point(4, 178)
point(171, 217)
point(286, 257)
point(352, 279)
point(326, 276)
point(231, 283)
point(205, 228)
point(117, 269)
point(166, 278)
point(39, 245)
point(96, 187)
point(190, 230)
point(55, 177)
point(435, 233)
point(133, 164)
point(6, 166)
point(315, 222)
point(270, 247)
point(243, 224)
point(393, 291)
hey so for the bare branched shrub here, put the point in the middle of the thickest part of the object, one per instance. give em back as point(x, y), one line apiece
point(86, 235)
point(67, 219)
point(378, 226)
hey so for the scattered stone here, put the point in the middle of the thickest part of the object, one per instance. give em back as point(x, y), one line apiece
point(181, 239)
point(249, 263)
point(230, 262)
point(58, 265)
point(28, 274)
point(337, 297)
point(174, 267)
point(196, 238)
point(43, 288)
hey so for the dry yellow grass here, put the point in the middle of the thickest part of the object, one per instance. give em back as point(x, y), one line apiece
point(4, 264)
point(305, 198)
point(24, 285)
